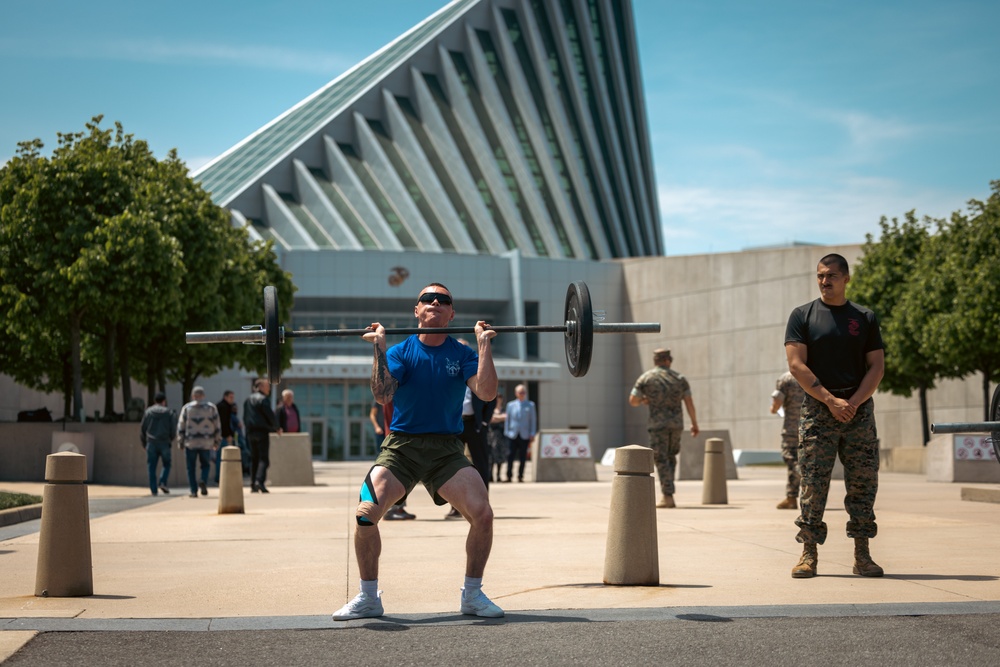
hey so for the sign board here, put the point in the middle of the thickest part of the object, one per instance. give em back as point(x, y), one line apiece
point(565, 445)
point(974, 448)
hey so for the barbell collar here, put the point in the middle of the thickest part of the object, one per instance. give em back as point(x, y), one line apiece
point(251, 337)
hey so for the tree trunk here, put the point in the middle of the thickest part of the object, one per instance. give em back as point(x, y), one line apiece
point(74, 351)
point(67, 384)
point(150, 385)
point(986, 396)
point(109, 369)
point(123, 366)
point(150, 374)
point(924, 421)
point(190, 377)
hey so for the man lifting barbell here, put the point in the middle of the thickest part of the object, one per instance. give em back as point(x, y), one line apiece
point(425, 377)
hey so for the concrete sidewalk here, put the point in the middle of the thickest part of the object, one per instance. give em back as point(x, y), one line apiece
point(174, 563)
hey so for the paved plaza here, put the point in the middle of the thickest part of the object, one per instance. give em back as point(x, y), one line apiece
point(170, 565)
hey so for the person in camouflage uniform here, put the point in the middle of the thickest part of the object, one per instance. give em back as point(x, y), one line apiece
point(664, 390)
point(788, 396)
point(835, 351)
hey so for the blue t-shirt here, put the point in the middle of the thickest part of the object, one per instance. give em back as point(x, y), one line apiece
point(431, 385)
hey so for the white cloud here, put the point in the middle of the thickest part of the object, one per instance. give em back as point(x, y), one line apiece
point(713, 219)
point(869, 135)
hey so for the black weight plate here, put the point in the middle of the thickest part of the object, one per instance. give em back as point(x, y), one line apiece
point(272, 335)
point(580, 336)
point(995, 416)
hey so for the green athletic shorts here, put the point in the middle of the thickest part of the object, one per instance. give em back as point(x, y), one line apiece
point(432, 459)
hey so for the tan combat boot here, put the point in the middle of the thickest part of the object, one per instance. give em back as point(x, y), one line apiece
point(806, 567)
point(666, 501)
point(863, 563)
point(788, 503)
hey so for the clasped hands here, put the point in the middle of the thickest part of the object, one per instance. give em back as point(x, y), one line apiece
point(842, 409)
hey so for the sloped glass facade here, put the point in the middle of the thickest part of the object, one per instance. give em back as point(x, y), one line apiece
point(492, 126)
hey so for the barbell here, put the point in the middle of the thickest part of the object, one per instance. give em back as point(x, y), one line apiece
point(991, 427)
point(578, 327)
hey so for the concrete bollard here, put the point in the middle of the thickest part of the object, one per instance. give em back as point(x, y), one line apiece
point(631, 558)
point(713, 491)
point(231, 482)
point(65, 568)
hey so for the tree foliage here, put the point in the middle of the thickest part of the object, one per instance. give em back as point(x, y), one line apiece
point(107, 256)
point(937, 296)
point(965, 331)
point(884, 280)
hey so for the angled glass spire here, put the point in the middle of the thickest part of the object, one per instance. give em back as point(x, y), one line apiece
point(493, 125)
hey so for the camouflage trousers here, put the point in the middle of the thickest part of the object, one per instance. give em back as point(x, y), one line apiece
point(822, 438)
point(666, 445)
point(790, 454)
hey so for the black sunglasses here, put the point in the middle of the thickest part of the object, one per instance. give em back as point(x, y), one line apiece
point(430, 297)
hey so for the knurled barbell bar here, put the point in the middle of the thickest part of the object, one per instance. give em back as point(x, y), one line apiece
point(991, 427)
point(579, 329)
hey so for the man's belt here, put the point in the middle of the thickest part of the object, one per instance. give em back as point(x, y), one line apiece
point(843, 393)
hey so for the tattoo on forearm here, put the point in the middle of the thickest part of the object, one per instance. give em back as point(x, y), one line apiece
point(817, 383)
point(383, 384)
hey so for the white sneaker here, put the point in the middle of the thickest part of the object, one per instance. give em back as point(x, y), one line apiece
point(362, 606)
point(480, 605)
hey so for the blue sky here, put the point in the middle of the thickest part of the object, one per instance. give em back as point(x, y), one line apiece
point(771, 121)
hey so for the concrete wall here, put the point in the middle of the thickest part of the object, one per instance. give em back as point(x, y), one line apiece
point(118, 457)
point(724, 317)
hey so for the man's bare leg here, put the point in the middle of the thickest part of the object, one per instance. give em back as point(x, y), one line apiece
point(386, 490)
point(467, 493)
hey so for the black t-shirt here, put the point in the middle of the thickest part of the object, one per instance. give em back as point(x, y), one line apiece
point(837, 338)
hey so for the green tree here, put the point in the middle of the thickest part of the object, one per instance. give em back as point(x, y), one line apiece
point(888, 281)
point(222, 286)
point(107, 256)
point(964, 331)
point(56, 218)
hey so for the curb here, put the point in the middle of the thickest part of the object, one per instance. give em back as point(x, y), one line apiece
point(20, 514)
point(980, 495)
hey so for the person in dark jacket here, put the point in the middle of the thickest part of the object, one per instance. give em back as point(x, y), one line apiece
point(157, 432)
point(260, 422)
point(476, 416)
point(226, 408)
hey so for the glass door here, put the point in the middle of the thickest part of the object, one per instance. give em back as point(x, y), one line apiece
point(316, 428)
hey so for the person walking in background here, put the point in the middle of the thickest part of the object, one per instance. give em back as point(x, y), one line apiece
point(787, 401)
point(664, 390)
point(157, 433)
point(260, 422)
point(496, 439)
point(288, 413)
point(200, 433)
point(476, 415)
point(225, 408)
point(377, 419)
point(835, 351)
point(520, 427)
point(240, 439)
